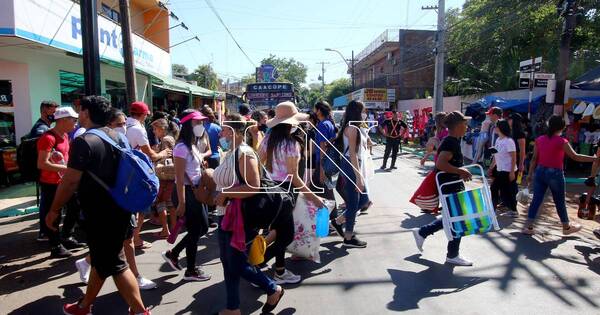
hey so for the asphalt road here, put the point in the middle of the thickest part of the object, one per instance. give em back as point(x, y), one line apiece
point(513, 273)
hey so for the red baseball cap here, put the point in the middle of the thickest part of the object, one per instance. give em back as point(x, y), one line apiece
point(494, 111)
point(139, 107)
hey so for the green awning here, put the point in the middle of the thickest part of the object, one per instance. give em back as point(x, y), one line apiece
point(175, 85)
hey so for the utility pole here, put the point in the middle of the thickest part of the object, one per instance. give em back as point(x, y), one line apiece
point(90, 50)
point(567, 11)
point(440, 50)
point(130, 81)
point(353, 84)
point(322, 63)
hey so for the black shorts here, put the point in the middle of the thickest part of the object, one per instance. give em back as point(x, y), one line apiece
point(106, 230)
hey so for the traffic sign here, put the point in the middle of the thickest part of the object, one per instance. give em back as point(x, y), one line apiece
point(526, 65)
point(540, 79)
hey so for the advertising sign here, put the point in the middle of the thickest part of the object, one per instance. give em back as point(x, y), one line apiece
point(60, 27)
point(375, 95)
point(267, 73)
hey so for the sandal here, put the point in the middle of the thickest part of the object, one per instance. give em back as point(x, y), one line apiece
point(144, 245)
point(268, 308)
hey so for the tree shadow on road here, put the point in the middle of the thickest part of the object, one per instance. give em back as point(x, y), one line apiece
point(436, 280)
point(538, 251)
point(591, 256)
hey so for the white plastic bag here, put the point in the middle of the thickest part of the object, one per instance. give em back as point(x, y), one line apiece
point(523, 196)
point(306, 243)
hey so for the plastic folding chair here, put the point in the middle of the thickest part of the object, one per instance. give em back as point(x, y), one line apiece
point(470, 211)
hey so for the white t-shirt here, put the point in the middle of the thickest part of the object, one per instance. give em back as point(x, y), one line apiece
point(136, 133)
point(592, 137)
point(192, 162)
point(503, 159)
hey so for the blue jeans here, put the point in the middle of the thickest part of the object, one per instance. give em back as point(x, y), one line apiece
point(436, 225)
point(554, 179)
point(236, 266)
point(354, 200)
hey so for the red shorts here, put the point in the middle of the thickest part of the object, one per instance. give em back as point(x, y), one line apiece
point(165, 192)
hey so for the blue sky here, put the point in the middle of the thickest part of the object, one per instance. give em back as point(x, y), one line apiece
point(298, 29)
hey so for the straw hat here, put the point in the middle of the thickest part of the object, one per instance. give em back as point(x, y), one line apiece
point(596, 114)
point(580, 108)
point(589, 110)
point(286, 113)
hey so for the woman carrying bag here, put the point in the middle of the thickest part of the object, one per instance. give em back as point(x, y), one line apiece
point(166, 132)
point(233, 230)
point(189, 153)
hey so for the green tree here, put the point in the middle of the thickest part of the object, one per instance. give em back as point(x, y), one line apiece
point(289, 69)
point(247, 79)
point(337, 88)
point(179, 69)
point(487, 39)
point(205, 77)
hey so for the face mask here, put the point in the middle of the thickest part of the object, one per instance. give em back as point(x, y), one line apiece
point(224, 143)
point(198, 131)
point(364, 116)
point(120, 130)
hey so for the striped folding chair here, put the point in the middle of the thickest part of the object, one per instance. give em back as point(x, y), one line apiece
point(467, 212)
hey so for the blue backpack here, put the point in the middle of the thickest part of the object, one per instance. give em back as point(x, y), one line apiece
point(136, 185)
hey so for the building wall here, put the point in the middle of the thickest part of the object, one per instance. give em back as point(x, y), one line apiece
point(450, 104)
point(36, 78)
point(409, 69)
point(18, 74)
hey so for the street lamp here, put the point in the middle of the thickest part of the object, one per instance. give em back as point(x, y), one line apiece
point(351, 66)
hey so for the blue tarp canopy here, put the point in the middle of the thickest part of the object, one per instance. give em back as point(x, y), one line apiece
point(589, 99)
point(588, 81)
point(340, 101)
point(517, 105)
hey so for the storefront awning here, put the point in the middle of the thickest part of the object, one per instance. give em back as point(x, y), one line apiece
point(175, 85)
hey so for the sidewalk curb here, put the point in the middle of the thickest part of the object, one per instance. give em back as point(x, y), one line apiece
point(13, 212)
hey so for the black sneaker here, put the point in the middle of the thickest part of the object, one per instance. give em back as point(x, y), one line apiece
point(42, 237)
point(339, 229)
point(382, 167)
point(60, 252)
point(171, 260)
point(366, 207)
point(71, 243)
point(590, 182)
point(355, 242)
point(394, 167)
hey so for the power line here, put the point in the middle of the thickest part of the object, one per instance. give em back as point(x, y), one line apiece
point(212, 8)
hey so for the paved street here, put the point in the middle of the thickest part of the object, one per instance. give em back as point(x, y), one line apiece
point(545, 274)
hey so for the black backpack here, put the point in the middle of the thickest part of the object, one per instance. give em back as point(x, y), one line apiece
point(27, 156)
point(262, 209)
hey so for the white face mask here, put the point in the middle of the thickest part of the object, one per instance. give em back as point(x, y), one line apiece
point(364, 116)
point(199, 130)
point(121, 130)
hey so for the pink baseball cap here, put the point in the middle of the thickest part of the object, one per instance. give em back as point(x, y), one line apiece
point(195, 115)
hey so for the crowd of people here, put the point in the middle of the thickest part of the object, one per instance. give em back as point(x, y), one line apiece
point(246, 174)
point(211, 172)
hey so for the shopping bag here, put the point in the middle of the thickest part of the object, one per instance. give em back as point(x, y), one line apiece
point(322, 222)
point(426, 197)
point(306, 243)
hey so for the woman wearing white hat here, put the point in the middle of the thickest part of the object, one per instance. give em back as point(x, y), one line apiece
point(281, 151)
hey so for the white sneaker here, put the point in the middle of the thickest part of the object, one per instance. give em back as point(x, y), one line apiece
point(84, 270)
point(145, 284)
point(459, 261)
point(287, 277)
point(419, 240)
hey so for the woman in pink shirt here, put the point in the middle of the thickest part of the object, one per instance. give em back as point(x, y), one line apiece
point(547, 162)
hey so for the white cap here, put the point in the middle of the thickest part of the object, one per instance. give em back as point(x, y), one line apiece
point(64, 112)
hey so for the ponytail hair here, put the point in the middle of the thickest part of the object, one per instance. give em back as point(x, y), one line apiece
point(555, 124)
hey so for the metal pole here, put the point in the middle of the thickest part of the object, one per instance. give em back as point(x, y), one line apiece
point(438, 88)
point(353, 82)
point(130, 79)
point(564, 53)
point(90, 51)
point(531, 84)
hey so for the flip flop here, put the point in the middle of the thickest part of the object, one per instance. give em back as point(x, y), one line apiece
point(144, 245)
